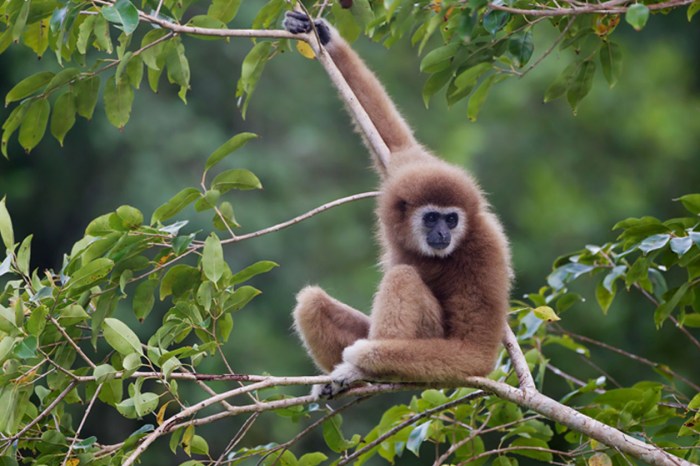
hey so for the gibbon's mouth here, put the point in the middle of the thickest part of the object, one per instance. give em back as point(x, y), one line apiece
point(439, 245)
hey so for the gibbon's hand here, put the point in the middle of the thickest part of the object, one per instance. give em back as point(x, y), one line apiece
point(298, 23)
point(344, 376)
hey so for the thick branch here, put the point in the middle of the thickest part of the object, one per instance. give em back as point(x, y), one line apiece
point(518, 359)
point(611, 7)
point(579, 422)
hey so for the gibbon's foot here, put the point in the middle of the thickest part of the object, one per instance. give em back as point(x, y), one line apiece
point(345, 375)
point(297, 22)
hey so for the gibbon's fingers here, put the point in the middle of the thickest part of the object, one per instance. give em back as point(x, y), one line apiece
point(326, 326)
point(344, 376)
point(297, 22)
point(420, 360)
point(404, 307)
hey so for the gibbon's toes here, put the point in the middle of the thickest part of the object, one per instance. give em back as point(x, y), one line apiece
point(296, 22)
point(319, 392)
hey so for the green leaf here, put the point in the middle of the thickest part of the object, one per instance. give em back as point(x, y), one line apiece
point(418, 435)
point(179, 279)
point(147, 402)
point(495, 20)
point(521, 46)
point(236, 178)
point(90, 273)
point(434, 83)
point(123, 13)
point(611, 62)
point(21, 20)
point(664, 310)
point(546, 313)
point(692, 9)
point(37, 321)
point(540, 455)
point(233, 144)
point(691, 201)
point(241, 297)
point(13, 121)
point(226, 211)
point(6, 232)
point(312, 459)
point(23, 255)
point(103, 373)
point(213, 262)
point(580, 84)
point(334, 437)
point(478, 98)
point(681, 245)
point(467, 79)
point(34, 124)
point(224, 10)
point(28, 86)
point(604, 296)
point(199, 446)
point(63, 116)
point(654, 242)
point(144, 298)
point(178, 66)
point(26, 349)
point(439, 58)
point(86, 94)
point(251, 70)
point(84, 33)
point(61, 79)
point(637, 16)
point(561, 84)
point(614, 274)
point(175, 205)
point(120, 337)
point(73, 314)
point(118, 97)
point(153, 54)
point(252, 270)
point(102, 37)
point(36, 36)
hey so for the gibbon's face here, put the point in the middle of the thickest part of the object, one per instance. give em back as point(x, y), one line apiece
point(437, 230)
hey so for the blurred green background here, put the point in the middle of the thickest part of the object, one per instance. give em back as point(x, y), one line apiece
point(557, 181)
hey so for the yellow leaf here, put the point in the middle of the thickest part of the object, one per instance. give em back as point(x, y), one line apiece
point(161, 413)
point(546, 313)
point(73, 462)
point(599, 459)
point(305, 50)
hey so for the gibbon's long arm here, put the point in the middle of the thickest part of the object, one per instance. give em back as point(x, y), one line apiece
point(392, 128)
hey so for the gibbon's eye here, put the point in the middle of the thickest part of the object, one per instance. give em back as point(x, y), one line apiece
point(452, 220)
point(430, 219)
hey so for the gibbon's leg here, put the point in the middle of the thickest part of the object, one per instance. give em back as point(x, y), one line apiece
point(404, 307)
point(327, 326)
point(369, 91)
point(420, 360)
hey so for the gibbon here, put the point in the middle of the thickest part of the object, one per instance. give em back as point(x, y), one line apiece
point(440, 312)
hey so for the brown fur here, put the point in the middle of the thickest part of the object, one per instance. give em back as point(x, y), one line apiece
point(434, 319)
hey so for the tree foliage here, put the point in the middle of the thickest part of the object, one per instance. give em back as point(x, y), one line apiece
point(70, 339)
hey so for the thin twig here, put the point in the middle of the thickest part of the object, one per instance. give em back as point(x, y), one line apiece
point(300, 218)
point(43, 414)
point(82, 423)
point(71, 342)
point(408, 422)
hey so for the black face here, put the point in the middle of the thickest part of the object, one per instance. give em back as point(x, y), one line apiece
point(438, 226)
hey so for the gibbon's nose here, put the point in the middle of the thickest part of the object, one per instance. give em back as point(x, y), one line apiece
point(439, 237)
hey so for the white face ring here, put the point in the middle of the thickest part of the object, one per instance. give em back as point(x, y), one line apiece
point(419, 230)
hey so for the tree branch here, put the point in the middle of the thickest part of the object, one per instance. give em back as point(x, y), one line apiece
point(610, 7)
